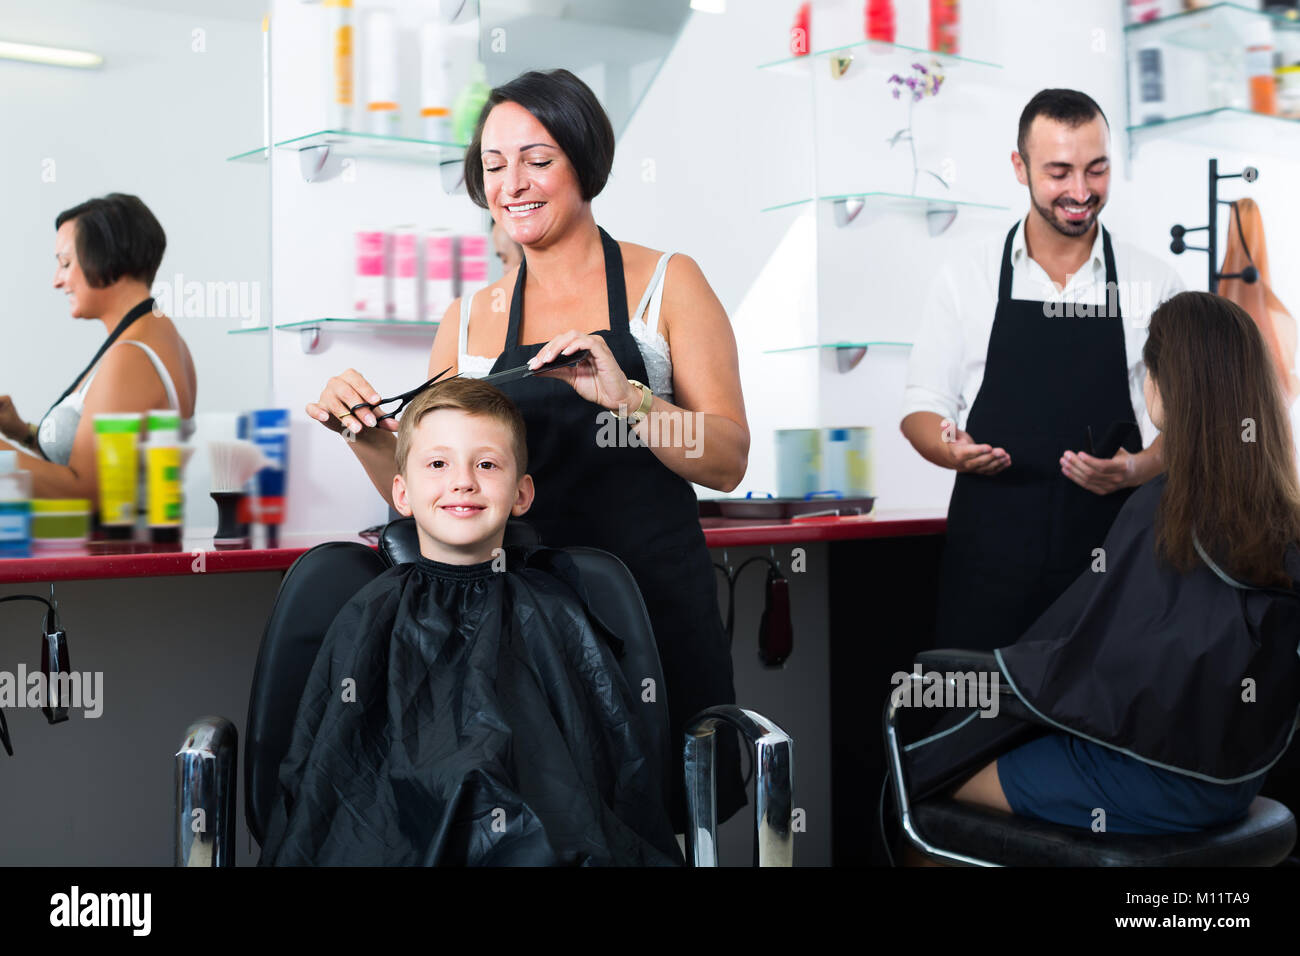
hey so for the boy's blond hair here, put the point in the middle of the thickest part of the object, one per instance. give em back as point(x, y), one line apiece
point(471, 396)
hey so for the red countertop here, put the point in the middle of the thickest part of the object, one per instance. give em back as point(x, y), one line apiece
point(194, 556)
point(737, 532)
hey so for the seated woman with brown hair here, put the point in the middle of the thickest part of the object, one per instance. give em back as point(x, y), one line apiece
point(108, 251)
point(1168, 673)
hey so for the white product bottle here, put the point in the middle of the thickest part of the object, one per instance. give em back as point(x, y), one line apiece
point(435, 85)
point(384, 116)
point(340, 39)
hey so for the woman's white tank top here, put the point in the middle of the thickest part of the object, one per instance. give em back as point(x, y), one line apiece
point(653, 346)
point(59, 426)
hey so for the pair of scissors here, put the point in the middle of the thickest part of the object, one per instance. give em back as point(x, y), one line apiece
point(497, 378)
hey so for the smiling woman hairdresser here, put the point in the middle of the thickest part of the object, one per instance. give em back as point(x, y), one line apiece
point(108, 251)
point(542, 152)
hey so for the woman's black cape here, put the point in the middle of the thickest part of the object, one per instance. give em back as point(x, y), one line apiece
point(466, 716)
point(1188, 672)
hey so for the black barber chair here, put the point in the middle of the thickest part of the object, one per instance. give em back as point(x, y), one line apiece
point(953, 832)
point(312, 593)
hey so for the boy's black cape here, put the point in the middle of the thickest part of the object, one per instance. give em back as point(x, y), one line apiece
point(466, 716)
point(1184, 671)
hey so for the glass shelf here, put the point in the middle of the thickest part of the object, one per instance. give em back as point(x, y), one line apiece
point(848, 355)
point(838, 345)
point(368, 145)
point(362, 325)
point(1220, 26)
point(895, 201)
point(252, 156)
point(250, 330)
point(1221, 128)
point(349, 325)
point(799, 65)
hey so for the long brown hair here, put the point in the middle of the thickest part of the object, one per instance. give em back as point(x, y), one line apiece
point(1228, 451)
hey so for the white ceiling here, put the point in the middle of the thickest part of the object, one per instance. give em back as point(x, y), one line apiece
point(659, 16)
point(222, 9)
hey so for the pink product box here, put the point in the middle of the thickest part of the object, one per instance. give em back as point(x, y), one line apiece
point(405, 255)
point(374, 275)
point(472, 263)
point(439, 276)
point(406, 276)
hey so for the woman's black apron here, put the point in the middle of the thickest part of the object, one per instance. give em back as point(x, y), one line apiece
point(625, 501)
point(1016, 540)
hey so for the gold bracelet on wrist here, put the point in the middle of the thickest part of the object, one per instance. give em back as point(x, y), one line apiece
point(642, 410)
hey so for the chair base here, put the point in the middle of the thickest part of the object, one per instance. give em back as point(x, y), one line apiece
point(1264, 837)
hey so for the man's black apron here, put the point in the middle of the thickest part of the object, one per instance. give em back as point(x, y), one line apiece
point(1017, 539)
point(625, 501)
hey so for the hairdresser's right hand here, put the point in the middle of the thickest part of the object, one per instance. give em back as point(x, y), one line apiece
point(11, 425)
point(971, 458)
point(341, 393)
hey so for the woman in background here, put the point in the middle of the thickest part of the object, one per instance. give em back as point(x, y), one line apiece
point(1170, 673)
point(108, 251)
point(508, 251)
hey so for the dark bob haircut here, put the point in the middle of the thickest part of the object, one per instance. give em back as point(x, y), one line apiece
point(117, 236)
point(569, 110)
point(1065, 106)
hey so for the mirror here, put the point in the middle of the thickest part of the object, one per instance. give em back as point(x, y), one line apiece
point(178, 92)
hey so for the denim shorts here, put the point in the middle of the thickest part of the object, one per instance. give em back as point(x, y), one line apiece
point(1065, 779)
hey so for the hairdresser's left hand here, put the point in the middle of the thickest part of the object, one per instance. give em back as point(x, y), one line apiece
point(1101, 476)
point(11, 424)
point(598, 378)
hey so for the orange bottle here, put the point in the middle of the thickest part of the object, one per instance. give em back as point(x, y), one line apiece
point(1259, 67)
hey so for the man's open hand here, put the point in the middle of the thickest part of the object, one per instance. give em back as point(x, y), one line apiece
point(1101, 476)
point(972, 459)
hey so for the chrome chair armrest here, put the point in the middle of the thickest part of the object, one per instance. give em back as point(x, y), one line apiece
point(892, 707)
point(206, 775)
point(773, 793)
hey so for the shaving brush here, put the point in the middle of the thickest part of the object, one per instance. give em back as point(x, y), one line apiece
point(233, 464)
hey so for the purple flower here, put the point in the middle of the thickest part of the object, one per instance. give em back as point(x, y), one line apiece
point(911, 83)
point(895, 79)
point(916, 97)
point(918, 66)
point(895, 92)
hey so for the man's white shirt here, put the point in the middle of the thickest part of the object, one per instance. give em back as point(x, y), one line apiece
point(946, 366)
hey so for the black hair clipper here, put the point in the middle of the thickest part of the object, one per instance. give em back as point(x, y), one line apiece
point(55, 662)
point(775, 630)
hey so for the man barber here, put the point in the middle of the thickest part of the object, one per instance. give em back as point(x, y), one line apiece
point(1039, 334)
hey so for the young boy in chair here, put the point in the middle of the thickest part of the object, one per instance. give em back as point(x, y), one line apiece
point(467, 709)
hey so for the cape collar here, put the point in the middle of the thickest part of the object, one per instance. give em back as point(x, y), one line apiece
point(454, 572)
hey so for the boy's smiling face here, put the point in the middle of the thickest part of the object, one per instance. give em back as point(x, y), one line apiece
point(460, 485)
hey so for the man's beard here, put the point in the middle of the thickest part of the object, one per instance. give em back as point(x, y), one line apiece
point(1067, 228)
